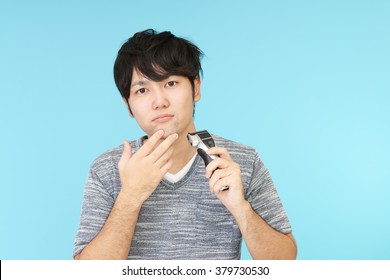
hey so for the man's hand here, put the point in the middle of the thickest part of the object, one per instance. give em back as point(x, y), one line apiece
point(141, 173)
point(223, 171)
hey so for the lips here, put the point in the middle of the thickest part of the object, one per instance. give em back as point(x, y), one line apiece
point(162, 118)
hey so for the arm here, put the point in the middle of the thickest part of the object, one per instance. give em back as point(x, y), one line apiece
point(114, 240)
point(262, 240)
point(140, 175)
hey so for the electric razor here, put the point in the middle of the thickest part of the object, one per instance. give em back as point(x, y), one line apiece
point(202, 141)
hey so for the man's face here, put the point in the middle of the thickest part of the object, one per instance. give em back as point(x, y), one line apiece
point(166, 104)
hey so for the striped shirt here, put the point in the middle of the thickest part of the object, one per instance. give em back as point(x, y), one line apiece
point(181, 220)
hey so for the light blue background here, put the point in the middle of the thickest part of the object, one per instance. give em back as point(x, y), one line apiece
point(304, 82)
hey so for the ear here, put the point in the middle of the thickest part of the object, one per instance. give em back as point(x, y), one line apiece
point(128, 107)
point(197, 94)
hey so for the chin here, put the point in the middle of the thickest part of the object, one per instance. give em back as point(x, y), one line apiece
point(167, 131)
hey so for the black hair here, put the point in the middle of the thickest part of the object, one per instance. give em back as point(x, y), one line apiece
point(157, 56)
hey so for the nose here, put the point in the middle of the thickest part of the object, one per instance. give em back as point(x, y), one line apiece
point(160, 100)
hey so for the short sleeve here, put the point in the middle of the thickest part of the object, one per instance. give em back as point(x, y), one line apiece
point(263, 197)
point(97, 205)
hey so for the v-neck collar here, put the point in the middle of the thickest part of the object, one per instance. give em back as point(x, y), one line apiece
point(183, 180)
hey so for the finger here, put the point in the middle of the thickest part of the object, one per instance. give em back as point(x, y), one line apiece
point(165, 168)
point(148, 147)
point(214, 178)
point(164, 158)
point(218, 175)
point(220, 185)
point(163, 147)
point(219, 151)
point(126, 154)
point(214, 165)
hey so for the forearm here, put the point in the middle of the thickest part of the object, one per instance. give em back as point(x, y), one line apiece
point(114, 239)
point(263, 242)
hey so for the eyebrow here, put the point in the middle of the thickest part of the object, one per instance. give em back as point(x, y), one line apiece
point(139, 83)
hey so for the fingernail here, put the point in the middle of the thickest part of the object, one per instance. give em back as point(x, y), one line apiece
point(160, 132)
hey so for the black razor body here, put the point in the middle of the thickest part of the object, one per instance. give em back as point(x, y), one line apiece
point(202, 140)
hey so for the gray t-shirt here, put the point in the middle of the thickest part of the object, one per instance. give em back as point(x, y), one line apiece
point(181, 220)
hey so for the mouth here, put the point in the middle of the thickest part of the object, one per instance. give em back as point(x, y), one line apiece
point(162, 118)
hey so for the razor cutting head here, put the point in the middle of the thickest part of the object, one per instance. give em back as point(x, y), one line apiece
point(201, 139)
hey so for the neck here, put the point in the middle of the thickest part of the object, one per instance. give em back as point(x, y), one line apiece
point(182, 153)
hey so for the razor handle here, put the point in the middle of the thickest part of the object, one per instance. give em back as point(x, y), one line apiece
point(202, 140)
point(206, 158)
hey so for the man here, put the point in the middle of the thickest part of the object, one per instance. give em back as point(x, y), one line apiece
point(153, 198)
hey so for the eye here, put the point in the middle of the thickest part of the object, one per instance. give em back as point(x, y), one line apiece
point(171, 84)
point(141, 91)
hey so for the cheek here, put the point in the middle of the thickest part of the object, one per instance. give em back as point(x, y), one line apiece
point(186, 101)
point(139, 110)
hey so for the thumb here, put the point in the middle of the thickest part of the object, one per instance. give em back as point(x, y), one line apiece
point(126, 154)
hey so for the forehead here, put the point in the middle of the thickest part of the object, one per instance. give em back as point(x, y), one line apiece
point(138, 79)
point(137, 75)
point(153, 73)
